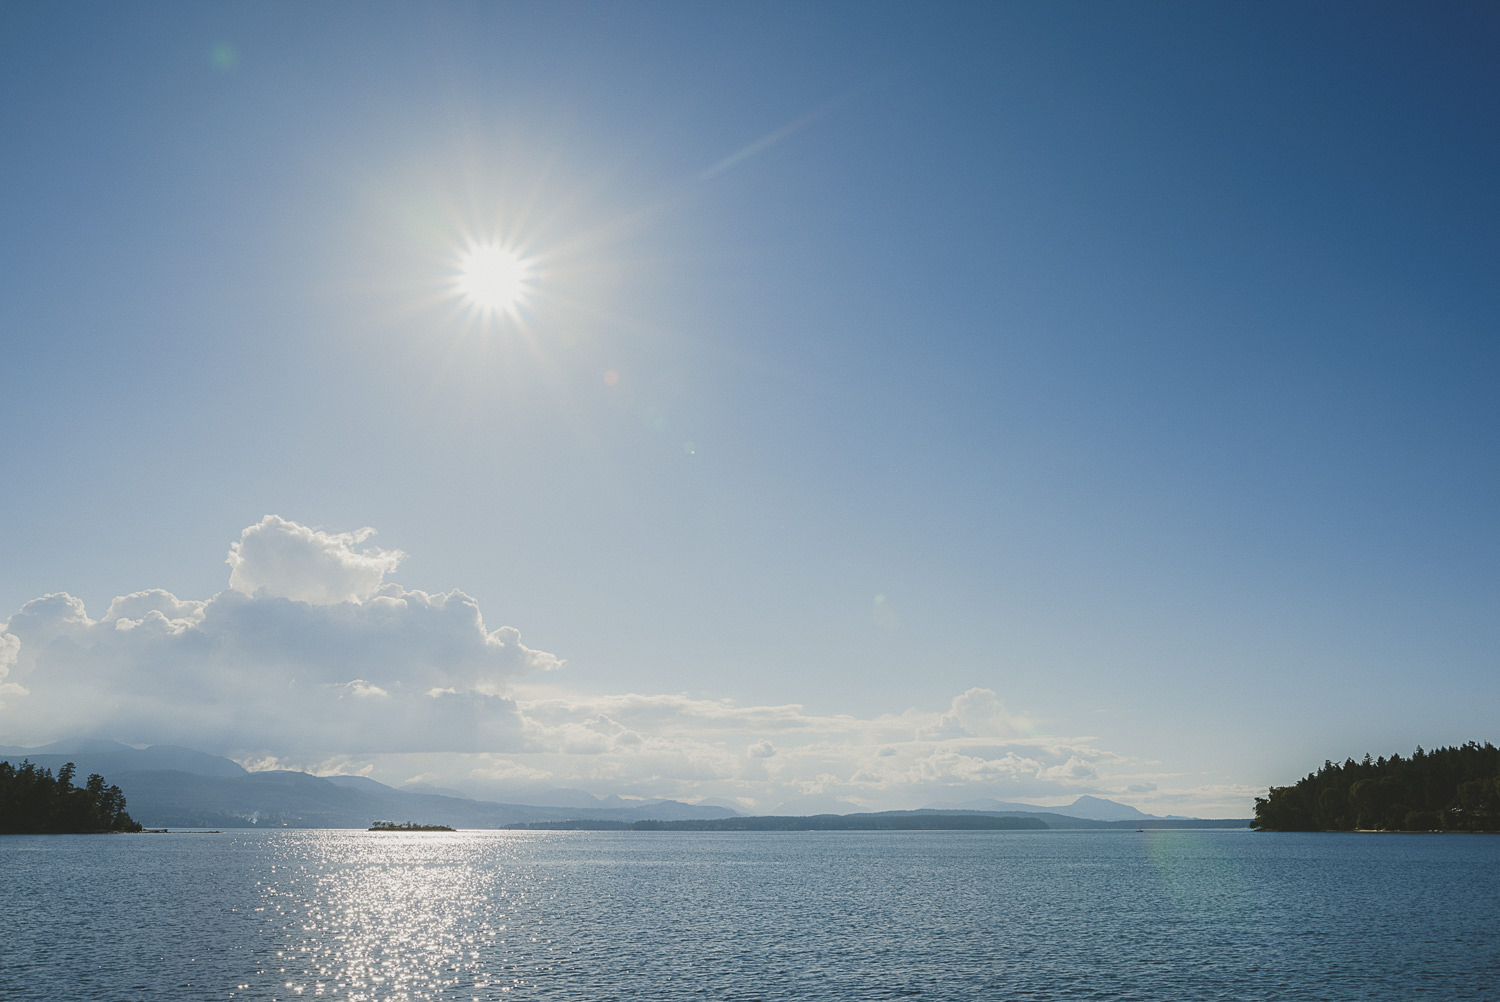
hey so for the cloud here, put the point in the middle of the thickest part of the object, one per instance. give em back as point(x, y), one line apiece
point(156, 609)
point(10, 652)
point(312, 659)
point(977, 713)
point(281, 559)
point(690, 748)
point(308, 651)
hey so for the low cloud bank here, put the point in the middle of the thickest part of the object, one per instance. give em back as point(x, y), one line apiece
point(312, 659)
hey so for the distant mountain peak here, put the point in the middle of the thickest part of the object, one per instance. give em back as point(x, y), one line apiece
point(1087, 807)
point(82, 746)
point(1099, 809)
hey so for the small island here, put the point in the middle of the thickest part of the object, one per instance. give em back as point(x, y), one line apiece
point(1450, 789)
point(35, 802)
point(407, 826)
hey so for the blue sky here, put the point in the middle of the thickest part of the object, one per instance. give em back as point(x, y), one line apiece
point(1134, 365)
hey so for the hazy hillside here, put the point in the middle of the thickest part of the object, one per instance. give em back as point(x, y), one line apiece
point(109, 759)
point(1086, 807)
point(167, 787)
point(171, 787)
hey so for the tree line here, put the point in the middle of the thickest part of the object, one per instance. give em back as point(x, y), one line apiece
point(1450, 789)
point(35, 802)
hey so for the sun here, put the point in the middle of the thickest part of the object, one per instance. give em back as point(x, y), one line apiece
point(494, 279)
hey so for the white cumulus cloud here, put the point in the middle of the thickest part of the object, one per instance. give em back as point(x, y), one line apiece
point(977, 713)
point(308, 651)
point(281, 559)
point(10, 652)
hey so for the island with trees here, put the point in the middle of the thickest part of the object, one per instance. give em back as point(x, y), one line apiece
point(35, 802)
point(1450, 789)
point(406, 826)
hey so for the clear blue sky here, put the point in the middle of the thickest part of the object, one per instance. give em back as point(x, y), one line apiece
point(1136, 363)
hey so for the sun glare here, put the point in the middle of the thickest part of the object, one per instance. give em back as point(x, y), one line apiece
point(493, 278)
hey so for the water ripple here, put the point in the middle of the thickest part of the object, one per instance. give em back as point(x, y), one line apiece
point(1031, 917)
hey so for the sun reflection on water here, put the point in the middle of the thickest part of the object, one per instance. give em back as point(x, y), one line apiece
point(399, 916)
point(838, 916)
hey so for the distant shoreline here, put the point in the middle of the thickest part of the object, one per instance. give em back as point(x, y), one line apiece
point(866, 823)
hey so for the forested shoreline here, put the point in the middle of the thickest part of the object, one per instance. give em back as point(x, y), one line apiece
point(35, 802)
point(1450, 789)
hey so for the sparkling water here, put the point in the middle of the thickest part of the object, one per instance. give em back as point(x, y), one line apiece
point(773, 915)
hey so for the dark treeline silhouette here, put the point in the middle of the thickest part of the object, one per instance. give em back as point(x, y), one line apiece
point(1450, 789)
point(34, 802)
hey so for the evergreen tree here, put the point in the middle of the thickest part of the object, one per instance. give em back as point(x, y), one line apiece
point(1450, 789)
point(34, 802)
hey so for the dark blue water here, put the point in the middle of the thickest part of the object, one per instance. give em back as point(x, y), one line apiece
point(574, 915)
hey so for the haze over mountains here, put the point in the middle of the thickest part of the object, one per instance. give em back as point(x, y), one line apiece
point(169, 786)
point(1090, 808)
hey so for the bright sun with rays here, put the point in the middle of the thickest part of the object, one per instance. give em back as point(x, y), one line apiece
point(493, 279)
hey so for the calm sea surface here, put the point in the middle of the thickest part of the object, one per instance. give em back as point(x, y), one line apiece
point(817, 915)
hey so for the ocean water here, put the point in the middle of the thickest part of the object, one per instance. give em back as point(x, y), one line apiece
point(816, 915)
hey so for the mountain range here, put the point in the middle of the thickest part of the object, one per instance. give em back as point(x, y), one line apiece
point(1086, 807)
point(172, 787)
